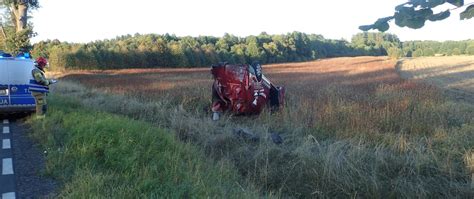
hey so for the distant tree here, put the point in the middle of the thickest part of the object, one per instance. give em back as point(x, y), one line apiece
point(178, 53)
point(272, 52)
point(226, 42)
point(415, 13)
point(395, 52)
point(238, 52)
point(252, 51)
point(456, 51)
point(417, 53)
point(377, 43)
point(428, 52)
point(470, 49)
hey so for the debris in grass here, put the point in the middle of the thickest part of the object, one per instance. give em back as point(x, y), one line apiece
point(246, 134)
point(277, 139)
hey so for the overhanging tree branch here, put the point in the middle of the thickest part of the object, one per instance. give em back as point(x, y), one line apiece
point(415, 13)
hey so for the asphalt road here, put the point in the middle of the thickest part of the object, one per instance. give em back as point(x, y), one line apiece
point(22, 163)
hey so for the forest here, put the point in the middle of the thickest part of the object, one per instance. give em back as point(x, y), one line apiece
point(153, 50)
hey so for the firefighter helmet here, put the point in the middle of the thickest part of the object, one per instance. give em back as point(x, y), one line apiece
point(41, 62)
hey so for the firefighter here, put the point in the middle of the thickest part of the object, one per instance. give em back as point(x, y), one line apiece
point(40, 97)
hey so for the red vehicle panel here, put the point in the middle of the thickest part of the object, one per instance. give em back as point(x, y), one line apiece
point(236, 88)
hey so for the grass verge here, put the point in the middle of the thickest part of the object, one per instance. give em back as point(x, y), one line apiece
point(402, 141)
point(101, 155)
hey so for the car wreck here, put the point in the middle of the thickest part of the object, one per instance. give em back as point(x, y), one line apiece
point(242, 89)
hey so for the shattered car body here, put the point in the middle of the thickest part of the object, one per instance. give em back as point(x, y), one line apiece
point(243, 90)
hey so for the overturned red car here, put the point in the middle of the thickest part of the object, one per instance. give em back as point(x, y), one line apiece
point(243, 90)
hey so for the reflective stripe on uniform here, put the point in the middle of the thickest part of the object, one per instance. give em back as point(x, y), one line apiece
point(33, 86)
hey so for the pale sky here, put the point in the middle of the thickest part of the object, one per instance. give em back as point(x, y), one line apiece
point(89, 20)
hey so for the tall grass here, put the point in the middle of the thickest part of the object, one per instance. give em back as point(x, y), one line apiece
point(102, 155)
point(398, 140)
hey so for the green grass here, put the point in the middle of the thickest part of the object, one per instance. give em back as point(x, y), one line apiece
point(402, 141)
point(96, 154)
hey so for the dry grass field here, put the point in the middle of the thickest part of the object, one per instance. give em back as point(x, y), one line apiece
point(352, 127)
point(456, 74)
point(301, 79)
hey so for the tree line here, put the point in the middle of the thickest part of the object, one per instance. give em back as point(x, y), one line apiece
point(152, 50)
point(435, 48)
point(389, 44)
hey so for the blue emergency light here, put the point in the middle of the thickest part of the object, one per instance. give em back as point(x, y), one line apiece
point(4, 55)
point(23, 56)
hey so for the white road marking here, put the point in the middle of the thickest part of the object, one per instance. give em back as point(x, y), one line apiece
point(7, 163)
point(6, 129)
point(9, 195)
point(7, 166)
point(6, 144)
